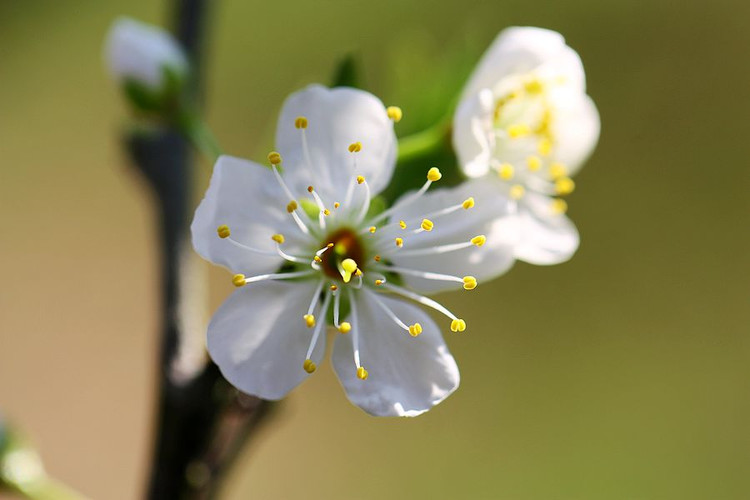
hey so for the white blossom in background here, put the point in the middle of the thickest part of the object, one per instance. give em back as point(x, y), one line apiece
point(141, 53)
point(526, 125)
point(305, 249)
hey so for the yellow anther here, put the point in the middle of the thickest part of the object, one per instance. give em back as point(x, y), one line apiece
point(506, 171)
point(317, 259)
point(223, 231)
point(362, 373)
point(238, 280)
point(329, 245)
point(358, 272)
point(517, 191)
point(559, 206)
point(309, 320)
point(377, 258)
point(557, 170)
point(355, 147)
point(278, 238)
point(427, 225)
point(434, 174)
point(292, 206)
point(336, 204)
point(470, 282)
point(415, 329)
point(372, 229)
point(309, 366)
point(300, 122)
point(402, 224)
point(518, 130)
point(468, 203)
point(479, 240)
point(394, 113)
point(334, 288)
point(345, 327)
point(349, 267)
point(534, 87)
point(274, 158)
point(399, 242)
point(360, 179)
point(310, 189)
point(326, 212)
point(564, 185)
point(458, 325)
point(534, 163)
point(379, 282)
point(545, 147)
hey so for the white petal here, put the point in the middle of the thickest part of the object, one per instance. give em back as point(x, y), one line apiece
point(139, 51)
point(576, 131)
point(546, 238)
point(520, 50)
point(246, 197)
point(491, 216)
point(473, 137)
point(259, 339)
point(336, 118)
point(407, 375)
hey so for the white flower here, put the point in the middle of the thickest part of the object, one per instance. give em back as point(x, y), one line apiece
point(525, 119)
point(141, 53)
point(307, 253)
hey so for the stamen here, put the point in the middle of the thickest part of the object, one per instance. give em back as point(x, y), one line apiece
point(415, 329)
point(366, 203)
point(238, 280)
point(355, 147)
point(388, 312)
point(355, 335)
point(433, 175)
point(432, 276)
point(278, 238)
point(399, 242)
point(223, 231)
point(321, 207)
point(250, 249)
point(533, 163)
point(476, 241)
point(518, 130)
point(545, 146)
point(292, 203)
point(559, 206)
point(309, 317)
point(319, 326)
point(274, 276)
point(274, 158)
point(458, 325)
point(336, 204)
point(309, 366)
point(394, 113)
point(427, 225)
point(517, 191)
point(300, 122)
point(564, 185)
point(422, 300)
point(290, 258)
point(291, 206)
point(557, 170)
point(402, 224)
point(505, 171)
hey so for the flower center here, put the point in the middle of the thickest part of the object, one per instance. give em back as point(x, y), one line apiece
point(346, 245)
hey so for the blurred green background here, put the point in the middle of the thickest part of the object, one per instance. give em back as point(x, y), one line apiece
point(622, 374)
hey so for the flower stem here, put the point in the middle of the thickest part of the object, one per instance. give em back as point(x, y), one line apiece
point(195, 129)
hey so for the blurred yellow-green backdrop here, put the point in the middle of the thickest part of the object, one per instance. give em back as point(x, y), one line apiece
point(622, 374)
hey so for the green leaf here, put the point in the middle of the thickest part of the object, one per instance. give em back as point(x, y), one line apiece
point(347, 73)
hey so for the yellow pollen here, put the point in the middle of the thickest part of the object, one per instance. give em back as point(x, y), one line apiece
point(278, 238)
point(349, 267)
point(427, 224)
point(274, 158)
point(378, 282)
point(559, 206)
point(345, 327)
point(534, 163)
point(468, 203)
point(300, 122)
point(394, 113)
point(564, 185)
point(292, 206)
point(238, 280)
point(330, 245)
point(373, 229)
point(317, 259)
point(415, 329)
point(518, 130)
point(517, 191)
point(358, 272)
point(402, 224)
point(309, 320)
point(470, 282)
point(479, 240)
point(506, 171)
point(545, 147)
point(336, 204)
point(360, 179)
point(534, 87)
point(223, 231)
point(355, 147)
point(458, 325)
point(362, 373)
point(377, 258)
point(434, 174)
point(399, 242)
point(310, 189)
point(557, 170)
point(326, 212)
point(309, 366)
point(334, 288)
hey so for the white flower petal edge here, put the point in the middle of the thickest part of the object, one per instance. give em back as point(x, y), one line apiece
point(258, 345)
point(139, 52)
point(407, 376)
point(525, 120)
point(336, 117)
